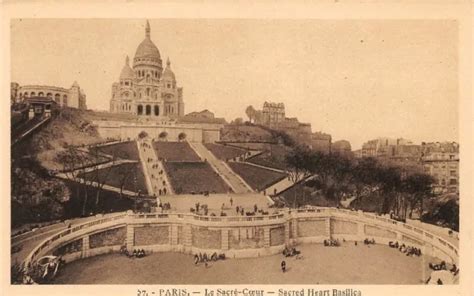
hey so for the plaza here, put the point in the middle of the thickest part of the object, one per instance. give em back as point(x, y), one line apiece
point(348, 264)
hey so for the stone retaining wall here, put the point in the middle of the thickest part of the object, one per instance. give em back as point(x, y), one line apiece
point(311, 228)
point(205, 238)
point(236, 236)
point(151, 235)
point(246, 238)
point(376, 231)
point(111, 237)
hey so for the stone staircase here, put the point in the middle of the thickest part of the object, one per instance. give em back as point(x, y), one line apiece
point(146, 172)
point(159, 183)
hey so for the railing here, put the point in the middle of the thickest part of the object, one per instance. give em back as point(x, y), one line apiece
point(30, 258)
point(208, 218)
point(426, 236)
point(402, 228)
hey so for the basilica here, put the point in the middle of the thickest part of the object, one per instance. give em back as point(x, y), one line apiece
point(146, 89)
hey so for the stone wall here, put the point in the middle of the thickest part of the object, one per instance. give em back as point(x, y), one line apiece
point(194, 132)
point(411, 240)
point(205, 238)
point(343, 227)
point(309, 228)
point(180, 235)
point(380, 232)
point(112, 237)
point(246, 238)
point(277, 236)
point(151, 235)
point(72, 247)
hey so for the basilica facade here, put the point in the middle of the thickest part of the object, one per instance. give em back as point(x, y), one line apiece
point(145, 88)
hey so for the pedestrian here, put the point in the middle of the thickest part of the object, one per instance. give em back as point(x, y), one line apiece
point(231, 201)
point(255, 208)
point(283, 266)
point(237, 209)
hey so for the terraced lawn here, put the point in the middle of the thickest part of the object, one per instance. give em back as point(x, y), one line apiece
point(257, 178)
point(194, 177)
point(224, 152)
point(125, 174)
point(175, 152)
point(124, 150)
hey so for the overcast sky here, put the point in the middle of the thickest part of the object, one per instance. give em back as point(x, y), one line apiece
point(356, 80)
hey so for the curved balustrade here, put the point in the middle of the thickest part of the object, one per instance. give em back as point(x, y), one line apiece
point(262, 235)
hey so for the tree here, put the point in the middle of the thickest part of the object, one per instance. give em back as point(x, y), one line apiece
point(142, 135)
point(418, 187)
point(250, 112)
point(75, 162)
point(163, 135)
point(181, 136)
point(298, 164)
point(101, 172)
point(238, 121)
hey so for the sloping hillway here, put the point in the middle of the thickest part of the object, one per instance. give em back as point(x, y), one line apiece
point(235, 182)
point(156, 178)
point(28, 128)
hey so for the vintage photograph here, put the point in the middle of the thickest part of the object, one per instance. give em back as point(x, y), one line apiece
point(234, 151)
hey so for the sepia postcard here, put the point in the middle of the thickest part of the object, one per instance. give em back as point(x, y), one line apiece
point(237, 148)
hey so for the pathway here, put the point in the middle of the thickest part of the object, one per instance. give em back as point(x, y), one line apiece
point(28, 241)
point(95, 184)
point(155, 173)
point(27, 129)
point(264, 167)
point(234, 181)
point(283, 185)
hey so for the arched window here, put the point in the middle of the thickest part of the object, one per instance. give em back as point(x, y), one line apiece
point(57, 98)
point(147, 92)
point(49, 95)
point(148, 110)
point(65, 101)
point(157, 110)
point(41, 94)
point(33, 94)
point(139, 109)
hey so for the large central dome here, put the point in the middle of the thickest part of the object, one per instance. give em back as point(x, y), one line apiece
point(147, 49)
point(147, 53)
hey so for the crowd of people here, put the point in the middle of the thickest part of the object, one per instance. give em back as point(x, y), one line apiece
point(204, 258)
point(408, 250)
point(443, 266)
point(331, 242)
point(140, 253)
point(369, 241)
point(291, 252)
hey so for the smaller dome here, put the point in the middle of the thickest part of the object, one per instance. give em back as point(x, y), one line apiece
point(168, 73)
point(127, 72)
